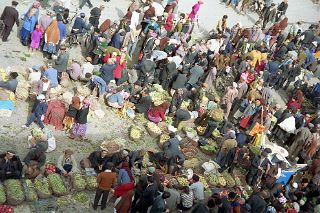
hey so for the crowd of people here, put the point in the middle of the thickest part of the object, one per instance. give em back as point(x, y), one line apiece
point(236, 70)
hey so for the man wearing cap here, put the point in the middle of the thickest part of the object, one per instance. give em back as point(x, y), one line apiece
point(269, 15)
point(39, 111)
point(51, 74)
point(35, 75)
point(10, 166)
point(75, 70)
point(9, 16)
point(79, 25)
point(95, 14)
point(45, 20)
point(302, 137)
point(61, 63)
point(226, 146)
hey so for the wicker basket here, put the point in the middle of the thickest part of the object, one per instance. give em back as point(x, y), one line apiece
point(189, 152)
point(152, 133)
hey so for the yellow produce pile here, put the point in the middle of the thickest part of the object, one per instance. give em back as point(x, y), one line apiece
point(154, 128)
point(163, 138)
point(183, 181)
point(135, 133)
point(201, 130)
point(204, 182)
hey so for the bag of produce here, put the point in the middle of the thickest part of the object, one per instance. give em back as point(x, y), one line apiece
point(162, 139)
point(230, 182)
point(6, 209)
point(42, 188)
point(204, 182)
point(213, 179)
point(14, 191)
point(81, 197)
point(57, 185)
point(30, 191)
point(78, 182)
point(153, 129)
point(135, 133)
point(216, 114)
point(2, 194)
point(182, 181)
point(91, 183)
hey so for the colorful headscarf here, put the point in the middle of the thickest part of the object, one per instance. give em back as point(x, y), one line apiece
point(85, 103)
point(75, 102)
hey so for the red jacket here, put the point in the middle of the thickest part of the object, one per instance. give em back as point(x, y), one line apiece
point(118, 70)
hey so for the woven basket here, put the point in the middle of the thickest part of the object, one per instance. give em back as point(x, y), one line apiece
point(206, 151)
point(152, 133)
point(190, 152)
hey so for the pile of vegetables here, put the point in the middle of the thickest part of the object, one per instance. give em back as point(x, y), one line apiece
point(162, 139)
point(216, 114)
point(211, 147)
point(185, 105)
point(30, 191)
point(230, 182)
point(159, 95)
point(42, 188)
point(6, 209)
point(135, 133)
point(204, 182)
point(216, 133)
point(91, 182)
point(182, 181)
point(168, 120)
point(14, 189)
point(254, 149)
point(237, 181)
point(80, 197)
point(213, 179)
point(221, 181)
point(153, 129)
point(78, 182)
point(56, 184)
point(201, 129)
point(49, 168)
point(146, 160)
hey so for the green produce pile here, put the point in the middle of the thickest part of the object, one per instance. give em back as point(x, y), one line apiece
point(190, 130)
point(238, 181)
point(15, 194)
point(230, 182)
point(254, 149)
point(210, 147)
point(146, 160)
point(30, 191)
point(42, 188)
point(168, 120)
point(183, 181)
point(63, 201)
point(213, 179)
point(135, 133)
point(78, 182)
point(2, 194)
point(185, 105)
point(80, 197)
point(57, 184)
point(91, 182)
point(216, 133)
point(159, 95)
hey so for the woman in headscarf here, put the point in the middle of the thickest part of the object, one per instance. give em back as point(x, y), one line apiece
point(79, 128)
point(55, 113)
point(71, 114)
point(156, 114)
point(212, 75)
point(121, 64)
point(28, 27)
point(195, 9)
point(51, 38)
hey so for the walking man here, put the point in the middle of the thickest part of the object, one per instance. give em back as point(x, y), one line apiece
point(9, 16)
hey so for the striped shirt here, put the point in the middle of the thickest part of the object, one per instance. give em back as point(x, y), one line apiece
point(187, 200)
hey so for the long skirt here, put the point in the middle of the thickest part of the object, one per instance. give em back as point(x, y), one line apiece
point(68, 122)
point(79, 129)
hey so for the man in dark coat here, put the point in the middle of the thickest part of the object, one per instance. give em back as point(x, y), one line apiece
point(195, 73)
point(257, 202)
point(147, 71)
point(40, 109)
point(167, 73)
point(269, 15)
point(9, 16)
point(107, 70)
point(293, 72)
point(95, 14)
point(180, 80)
point(61, 63)
point(303, 136)
point(144, 103)
point(10, 166)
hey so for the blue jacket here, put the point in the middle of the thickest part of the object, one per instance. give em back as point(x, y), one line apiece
point(272, 67)
point(41, 109)
point(62, 29)
point(116, 41)
point(52, 75)
point(98, 80)
point(123, 177)
point(29, 23)
point(107, 72)
point(80, 25)
point(116, 98)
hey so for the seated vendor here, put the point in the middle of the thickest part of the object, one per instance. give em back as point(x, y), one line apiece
point(66, 163)
point(156, 114)
point(96, 160)
point(12, 83)
point(34, 163)
point(10, 166)
point(117, 100)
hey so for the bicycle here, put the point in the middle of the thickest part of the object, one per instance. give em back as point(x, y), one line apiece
point(75, 38)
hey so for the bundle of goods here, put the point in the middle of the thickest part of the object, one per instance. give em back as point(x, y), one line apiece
point(91, 183)
point(57, 185)
point(153, 129)
point(134, 133)
point(189, 152)
point(162, 139)
point(2, 194)
point(111, 146)
point(216, 133)
point(22, 90)
point(168, 120)
point(201, 130)
point(30, 191)
point(216, 114)
point(230, 182)
point(83, 91)
point(42, 188)
point(209, 149)
point(182, 181)
point(204, 182)
point(216, 179)
point(14, 191)
point(159, 95)
point(78, 182)
point(192, 163)
point(81, 197)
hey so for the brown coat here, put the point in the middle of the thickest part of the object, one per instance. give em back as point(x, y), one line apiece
point(106, 180)
point(10, 16)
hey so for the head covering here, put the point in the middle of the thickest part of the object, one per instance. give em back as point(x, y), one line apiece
point(14, 3)
point(53, 33)
point(234, 85)
point(89, 59)
point(41, 97)
point(295, 185)
point(36, 67)
point(125, 95)
point(85, 103)
point(75, 102)
point(151, 169)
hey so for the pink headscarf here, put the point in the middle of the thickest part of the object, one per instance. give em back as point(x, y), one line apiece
point(85, 103)
point(125, 95)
